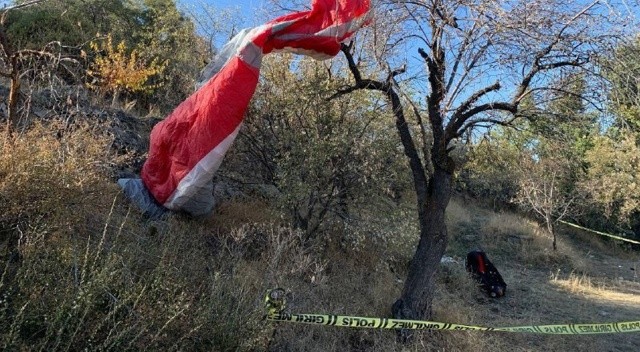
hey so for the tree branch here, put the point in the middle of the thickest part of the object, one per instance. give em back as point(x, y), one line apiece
point(471, 124)
point(417, 168)
point(458, 123)
point(423, 132)
point(459, 118)
point(537, 67)
point(346, 49)
point(461, 51)
point(436, 69)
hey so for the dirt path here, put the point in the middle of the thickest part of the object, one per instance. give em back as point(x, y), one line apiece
point(604, 287)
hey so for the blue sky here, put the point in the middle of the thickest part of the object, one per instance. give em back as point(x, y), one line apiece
point(246, 4)
point(251, 12)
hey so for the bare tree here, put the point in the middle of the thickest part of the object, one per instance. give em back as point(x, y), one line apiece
point(541, 191)
point(213, 23)
point(10, 58)
point(32, 68)
point(480, 60)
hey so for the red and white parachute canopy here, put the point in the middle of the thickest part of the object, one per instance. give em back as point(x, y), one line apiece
point(189, 145)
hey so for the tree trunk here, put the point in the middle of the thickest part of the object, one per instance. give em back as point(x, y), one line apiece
point(417, 295)
point(14, 95)
point(552, 231)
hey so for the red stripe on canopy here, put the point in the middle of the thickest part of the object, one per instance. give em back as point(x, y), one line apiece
point(197, 126)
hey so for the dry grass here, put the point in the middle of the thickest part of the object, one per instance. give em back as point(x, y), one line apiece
point(617, 291)
point(458, 215)
point(84, 271)
point(581, 288)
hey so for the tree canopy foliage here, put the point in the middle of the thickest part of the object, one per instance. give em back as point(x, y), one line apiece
point(623, 71)
point(155, 30)
point(326, 158)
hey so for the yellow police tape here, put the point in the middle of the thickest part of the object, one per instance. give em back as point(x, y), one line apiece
point(274, 313)
point(599, 233)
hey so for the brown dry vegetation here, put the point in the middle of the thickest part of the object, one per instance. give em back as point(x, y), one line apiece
point(83, 270)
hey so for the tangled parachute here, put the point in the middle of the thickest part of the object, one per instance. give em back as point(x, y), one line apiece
point(188, 146)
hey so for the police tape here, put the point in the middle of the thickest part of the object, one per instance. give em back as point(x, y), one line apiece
point(384, 323)
point(600, 233)
point(275, 305)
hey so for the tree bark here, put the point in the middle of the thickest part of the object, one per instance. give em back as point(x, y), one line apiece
point(551, 230)
point(433, 193)
point(14, 95)
point(419, 289)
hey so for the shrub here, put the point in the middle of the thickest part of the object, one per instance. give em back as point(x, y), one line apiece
point(117, 69)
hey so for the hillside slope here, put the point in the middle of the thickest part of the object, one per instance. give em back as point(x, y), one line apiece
point(585, 281)
point(84, 270)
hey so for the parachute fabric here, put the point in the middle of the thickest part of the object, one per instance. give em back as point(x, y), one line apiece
point(187, 148)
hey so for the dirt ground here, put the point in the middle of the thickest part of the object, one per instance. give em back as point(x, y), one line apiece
point(586, 281)
point(597, 282)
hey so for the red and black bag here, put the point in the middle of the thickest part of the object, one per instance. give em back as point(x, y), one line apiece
point(483, 271)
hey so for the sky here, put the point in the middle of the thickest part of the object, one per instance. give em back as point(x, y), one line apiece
point(248, 4)
point(250, 12)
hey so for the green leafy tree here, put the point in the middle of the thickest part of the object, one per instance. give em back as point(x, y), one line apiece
point(155, 29)
point(72, 22)
point(562, 120)
point(325, 158)
point(492, 169)
point(17, 59)
point(490, 173)
point(612, 181)
point(623, 72)
point(166, 33)
point(543, 156)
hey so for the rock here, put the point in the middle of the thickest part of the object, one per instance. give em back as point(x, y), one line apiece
point(448, 260)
